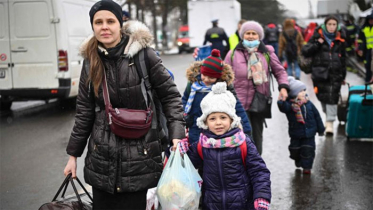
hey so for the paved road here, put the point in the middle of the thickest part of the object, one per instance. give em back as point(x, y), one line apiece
point(32, 158)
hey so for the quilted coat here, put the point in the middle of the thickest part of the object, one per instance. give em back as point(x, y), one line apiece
point(114, 164)
point(227, 183)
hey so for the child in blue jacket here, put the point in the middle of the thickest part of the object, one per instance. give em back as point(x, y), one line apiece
point(235, 176)
point(201, 76)
point(304, 122)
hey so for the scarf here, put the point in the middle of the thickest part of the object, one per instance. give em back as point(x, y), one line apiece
point(196, 87)
point(329, 37)
point(255, 68)
point(296, 107)
point(224, 141)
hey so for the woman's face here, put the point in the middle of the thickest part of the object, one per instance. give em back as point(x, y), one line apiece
point(218, 122)
point(208, 80)
point(331, 26)
point(106, 28)
point(251, 35)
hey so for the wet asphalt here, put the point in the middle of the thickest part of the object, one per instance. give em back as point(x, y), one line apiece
point(32, 157)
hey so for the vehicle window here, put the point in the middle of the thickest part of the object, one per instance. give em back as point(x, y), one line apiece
point(183, 34)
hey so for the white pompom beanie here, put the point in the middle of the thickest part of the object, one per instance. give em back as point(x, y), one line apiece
point(219, 100)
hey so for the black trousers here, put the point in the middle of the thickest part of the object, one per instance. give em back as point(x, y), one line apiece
point(368, 60)
point(119, 201)
point(257, 122)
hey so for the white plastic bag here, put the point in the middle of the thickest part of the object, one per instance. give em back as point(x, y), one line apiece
point(151, 199)
point(180, 184)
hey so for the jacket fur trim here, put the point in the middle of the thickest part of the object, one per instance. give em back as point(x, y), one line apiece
point(139, 38)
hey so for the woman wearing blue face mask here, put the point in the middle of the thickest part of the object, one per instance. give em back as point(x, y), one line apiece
point(250, 61)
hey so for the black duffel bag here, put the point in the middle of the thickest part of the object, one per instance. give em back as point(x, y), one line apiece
point(69, 203)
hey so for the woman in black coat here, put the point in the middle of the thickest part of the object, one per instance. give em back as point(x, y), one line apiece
point(120, 170)
point(328, 52)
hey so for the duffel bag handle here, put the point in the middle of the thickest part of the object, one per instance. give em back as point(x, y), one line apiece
point(64, 185)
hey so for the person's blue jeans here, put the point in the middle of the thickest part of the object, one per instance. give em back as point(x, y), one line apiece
point(290, 69)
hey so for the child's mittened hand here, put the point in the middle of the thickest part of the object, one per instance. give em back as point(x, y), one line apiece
point(261, 204)
point(183, 146)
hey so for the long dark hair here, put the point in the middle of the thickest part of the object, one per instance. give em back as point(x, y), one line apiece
point(96, 69)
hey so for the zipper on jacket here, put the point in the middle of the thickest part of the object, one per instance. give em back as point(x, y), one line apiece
point(221, 177)
point(119, 165)
point(117, 70)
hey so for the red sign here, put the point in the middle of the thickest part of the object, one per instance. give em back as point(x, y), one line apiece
point(3, 57)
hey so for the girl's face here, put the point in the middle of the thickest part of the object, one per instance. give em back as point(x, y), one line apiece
point(251, 35)
point(331, 26)
point(208, 80)
point(218, 122)
point(106, 28)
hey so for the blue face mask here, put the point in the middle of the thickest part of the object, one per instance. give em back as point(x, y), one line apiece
point(250, 44)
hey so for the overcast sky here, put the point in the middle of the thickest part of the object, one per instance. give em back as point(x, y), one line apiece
point(301, 6)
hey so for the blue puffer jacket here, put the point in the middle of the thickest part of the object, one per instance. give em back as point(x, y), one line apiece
point(193, 74)
point(311, 116)
point(227, 184)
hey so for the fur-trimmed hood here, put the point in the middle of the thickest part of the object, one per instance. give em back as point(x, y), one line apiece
point(194, 71)
point(139, 38)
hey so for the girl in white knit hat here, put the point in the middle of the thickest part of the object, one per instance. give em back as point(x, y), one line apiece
point(235, 176)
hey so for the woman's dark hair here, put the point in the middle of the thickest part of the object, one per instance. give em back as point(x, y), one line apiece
point(331, 17)
point(96, 70)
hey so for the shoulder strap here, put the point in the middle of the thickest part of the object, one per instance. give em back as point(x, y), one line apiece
point(232, 55)
point(199, 150)
point(146, 86)
point(243, 148)
point(268, 59)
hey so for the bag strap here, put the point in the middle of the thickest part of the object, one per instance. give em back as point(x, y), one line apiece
point(199, 150)
point(105, 92)
point(232, 55)
point(243, 148)
point(64, 185)
point(146, 88)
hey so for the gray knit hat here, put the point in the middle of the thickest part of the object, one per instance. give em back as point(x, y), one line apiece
point(295, 86)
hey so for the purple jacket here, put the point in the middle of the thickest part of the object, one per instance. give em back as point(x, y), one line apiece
point(227, 184)
point(245, 87)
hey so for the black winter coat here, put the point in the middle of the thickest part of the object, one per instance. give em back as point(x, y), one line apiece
point(328, 66)
point(112, 163)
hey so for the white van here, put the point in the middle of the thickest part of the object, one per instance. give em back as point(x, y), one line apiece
point(39, 48)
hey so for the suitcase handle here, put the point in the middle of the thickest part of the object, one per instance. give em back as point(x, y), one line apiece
point(367, 102)
point(64, 185)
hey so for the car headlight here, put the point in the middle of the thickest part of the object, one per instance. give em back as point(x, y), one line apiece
point(179, 43)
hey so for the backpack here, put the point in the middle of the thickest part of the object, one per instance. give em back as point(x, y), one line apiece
point(243, 148)
point(142, 70)
point(291, 48)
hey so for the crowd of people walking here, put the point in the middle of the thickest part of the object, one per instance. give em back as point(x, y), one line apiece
point(225, 105)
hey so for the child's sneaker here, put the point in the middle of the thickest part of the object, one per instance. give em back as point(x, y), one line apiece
point(306, 171)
